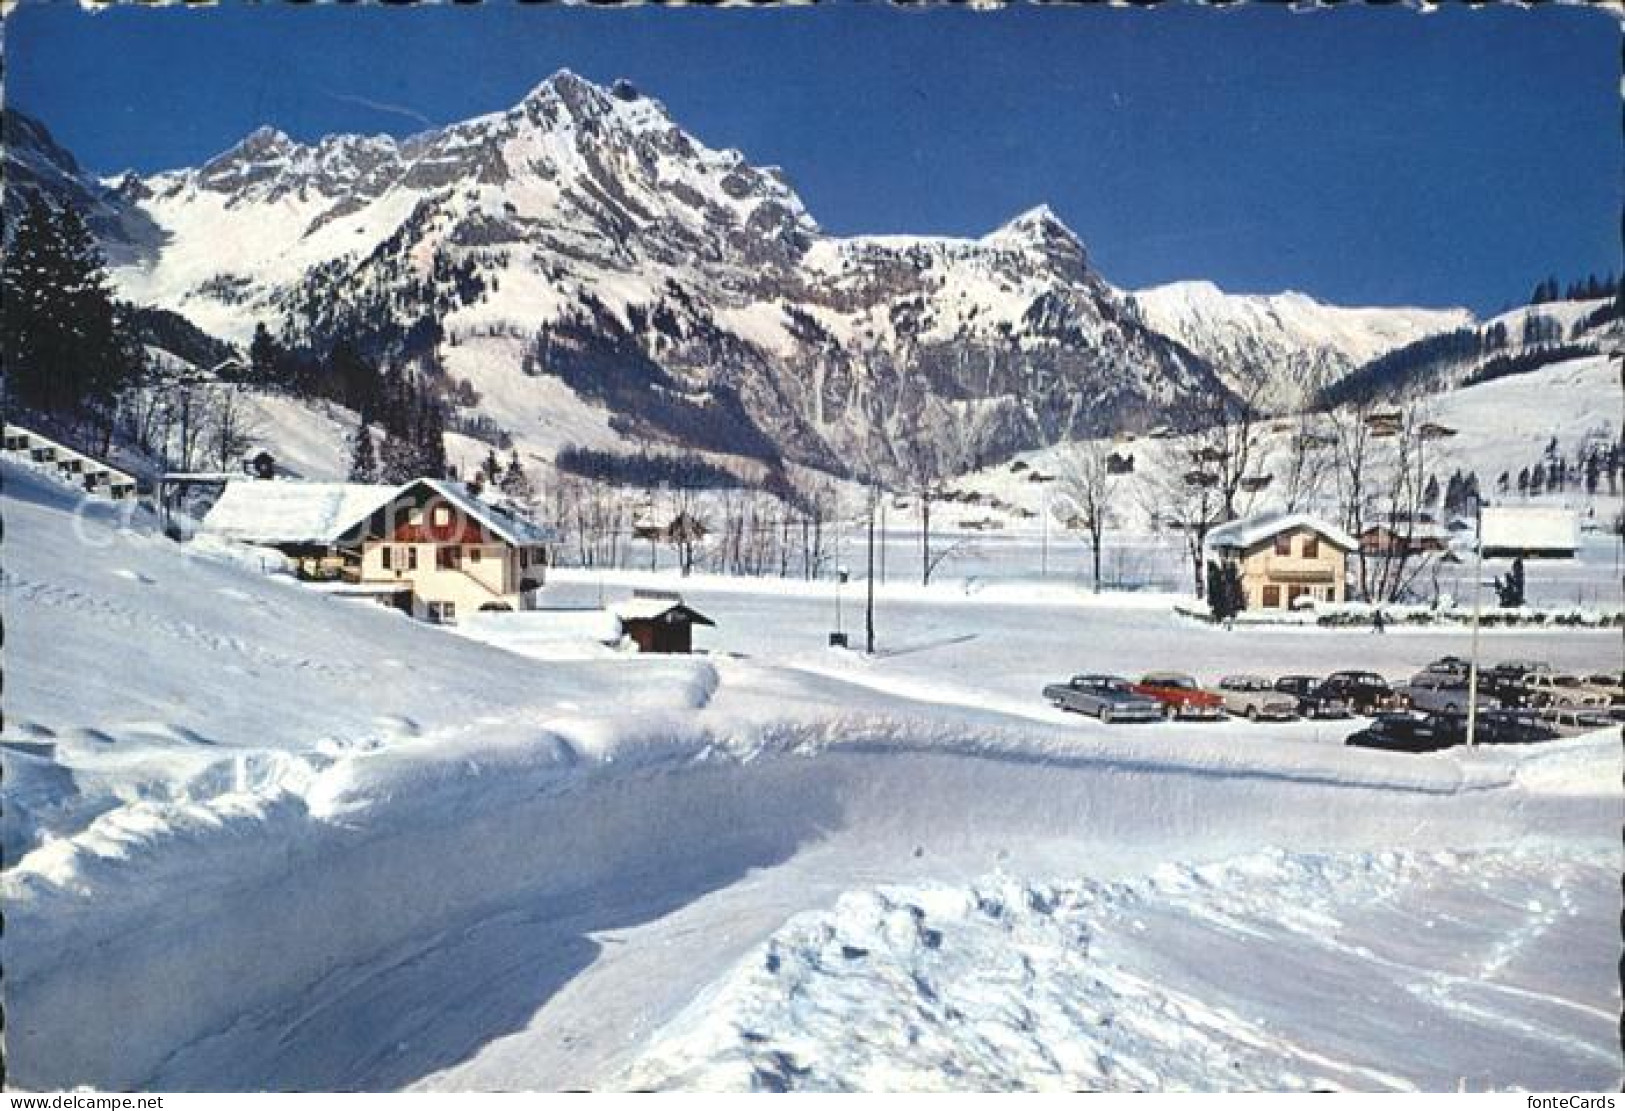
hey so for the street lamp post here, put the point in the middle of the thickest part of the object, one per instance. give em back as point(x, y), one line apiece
point(1472, 655)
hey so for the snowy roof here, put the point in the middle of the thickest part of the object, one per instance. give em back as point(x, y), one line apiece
point(1530, 528)
point(1247, 531)
point(272, 512)
point(652, 609)
point(503, 520)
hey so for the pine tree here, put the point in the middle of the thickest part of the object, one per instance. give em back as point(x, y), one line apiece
point(430, 436)
point(492, 467)
point(1509, 587)
point(363, 458)
point(61, 341)
point(398, 460)
point(265, 358)
point(514, 482)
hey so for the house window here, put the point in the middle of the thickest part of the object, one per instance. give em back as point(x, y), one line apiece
point(385, 555)
point(414, 517)
point(449, 557)
point(411, 558)
point(1283, 545)
point(473, 555)
point(442, 516)
point(1272, 597)
point(1311, 547)
point(443, 613)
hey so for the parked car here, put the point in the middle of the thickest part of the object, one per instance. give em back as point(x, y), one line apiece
point(1576, 719)
point(1313, 700)
point(1254, 698)
point(1402, 731)
point(1439, 693)
point(1180, 696)
point(1451, 666)
point(1537, 689)
point(1106, 697)
point(1556, 688)
point(1366, 692)
point(1497, 727)
point(1609, 682)
point(1504, 681)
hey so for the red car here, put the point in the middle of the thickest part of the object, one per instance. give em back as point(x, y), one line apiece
point(1180, 696)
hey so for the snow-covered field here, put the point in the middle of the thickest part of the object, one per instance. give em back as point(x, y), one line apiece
point(261, 838)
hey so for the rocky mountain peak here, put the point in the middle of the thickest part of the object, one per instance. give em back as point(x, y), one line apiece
point(1040, 230)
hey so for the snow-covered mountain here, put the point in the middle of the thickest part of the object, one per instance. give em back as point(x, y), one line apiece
point(602, 277)
point(1283, 346)
point(35, 162)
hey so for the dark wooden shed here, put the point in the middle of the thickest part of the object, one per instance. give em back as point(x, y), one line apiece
point(660, 623)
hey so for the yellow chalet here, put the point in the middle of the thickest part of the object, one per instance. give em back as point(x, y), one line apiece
point(430, 547)
point(446, 553)
point(1283, 557)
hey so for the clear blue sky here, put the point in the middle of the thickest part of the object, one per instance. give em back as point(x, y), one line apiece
point(1362, 155)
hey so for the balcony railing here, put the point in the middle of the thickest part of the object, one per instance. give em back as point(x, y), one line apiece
point(1287, 570)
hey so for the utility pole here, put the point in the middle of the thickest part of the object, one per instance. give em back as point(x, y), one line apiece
point(1043, 543)
point(869, 578)
point(882, 541)
point(1472, 656)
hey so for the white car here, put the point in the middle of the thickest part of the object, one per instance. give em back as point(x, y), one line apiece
point(1256, 699)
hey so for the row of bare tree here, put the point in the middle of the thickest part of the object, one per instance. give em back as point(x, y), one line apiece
point(1362, 465)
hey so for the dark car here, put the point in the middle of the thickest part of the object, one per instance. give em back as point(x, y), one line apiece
point(1505, 681)
point(1313, 702)
point(1365, 692)
point(1405, 732)
point(1453, 666)
point(1495, 727)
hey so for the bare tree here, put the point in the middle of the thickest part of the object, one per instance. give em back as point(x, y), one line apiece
point(229, 427)
point(1308, 463)
point(1382, 459)
point(1207, 478)
point(1084, 485)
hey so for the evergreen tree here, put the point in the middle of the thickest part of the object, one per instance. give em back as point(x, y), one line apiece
point(1523, 482)
point(266, 358)
point(492, 467)
point(363, 457)
point(1430, 493)
point(61, 341)
point(1510, 586)
point(1226, 596)
point(430, 435)
point(514, 482)
point(398, 460)
point(1537, 480)
point(1593, 473)
point(1503, 484)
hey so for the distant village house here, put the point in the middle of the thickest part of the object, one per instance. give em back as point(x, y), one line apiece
point(1283, 557)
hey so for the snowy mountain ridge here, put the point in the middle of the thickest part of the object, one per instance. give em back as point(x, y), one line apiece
point(1284, 345)
point(601, 277)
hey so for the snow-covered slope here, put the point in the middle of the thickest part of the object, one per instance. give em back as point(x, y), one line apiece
point(1284, 346)
point(401, 857)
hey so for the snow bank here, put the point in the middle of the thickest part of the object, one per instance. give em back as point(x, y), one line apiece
point(1175, 982)
point(282, 842)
